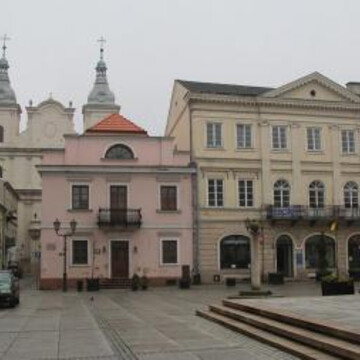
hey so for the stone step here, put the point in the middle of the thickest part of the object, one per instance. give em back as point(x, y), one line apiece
point(286, 345)
point(117, 283)
point(317, 325)
point(329, 344)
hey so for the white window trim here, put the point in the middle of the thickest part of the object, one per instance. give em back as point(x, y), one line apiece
point(321, 140)
point(177, 251)
point(287, 134)
point(71, 192)
point(238, 193)
point(355, 142)
point(207, 193)
point(71, 252)
point(221, 133)
point(252, 139)
point(178, 207)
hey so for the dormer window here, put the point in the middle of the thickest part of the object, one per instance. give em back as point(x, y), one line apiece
point(119, 151)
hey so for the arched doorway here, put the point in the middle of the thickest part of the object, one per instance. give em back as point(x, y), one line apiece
point(314, 246)
point(354, 253)
point(235, 252)
point(284, 256)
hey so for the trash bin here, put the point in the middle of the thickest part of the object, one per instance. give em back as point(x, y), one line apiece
point(79, 285)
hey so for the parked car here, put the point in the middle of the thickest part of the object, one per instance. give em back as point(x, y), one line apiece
point(9, 288)
point(15, 268)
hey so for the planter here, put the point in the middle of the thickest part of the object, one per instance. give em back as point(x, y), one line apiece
point(230, 281)
point(276, 278)
point(92, 284)
point(354, 274)
point(184, 283)
point(337, 287)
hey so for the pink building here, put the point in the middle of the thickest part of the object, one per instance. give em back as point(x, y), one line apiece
point(130, 194)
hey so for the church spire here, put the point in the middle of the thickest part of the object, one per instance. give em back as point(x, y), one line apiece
point(7, 95)
point(101, 93)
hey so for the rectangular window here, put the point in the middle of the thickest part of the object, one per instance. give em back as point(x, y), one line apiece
point(79, 252)
point(246, 193)
point(314, 139)
point(279, 141)
point(169, 252)
point(215, 192)
point(348, 141)
point(168, 199)
point(243, 133)
point(80, 197)
point(213, 135)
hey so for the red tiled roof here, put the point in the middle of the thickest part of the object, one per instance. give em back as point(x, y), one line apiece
point(116, 123)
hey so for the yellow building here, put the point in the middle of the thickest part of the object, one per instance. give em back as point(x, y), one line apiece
point(288, 157)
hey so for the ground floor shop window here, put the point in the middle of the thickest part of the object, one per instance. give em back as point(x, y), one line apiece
point(354, 252)
point(235, 252)
point(313, 250)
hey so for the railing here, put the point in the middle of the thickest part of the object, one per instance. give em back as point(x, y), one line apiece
point(297, 212)
point(119, 217)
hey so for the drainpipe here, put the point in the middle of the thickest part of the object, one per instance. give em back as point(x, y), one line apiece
point(195, 205)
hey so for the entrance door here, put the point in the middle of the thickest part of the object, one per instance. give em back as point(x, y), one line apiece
point(120, 259)
point(118, 204)
point(284, 256)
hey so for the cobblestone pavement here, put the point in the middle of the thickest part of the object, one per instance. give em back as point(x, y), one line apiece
point(157, 324)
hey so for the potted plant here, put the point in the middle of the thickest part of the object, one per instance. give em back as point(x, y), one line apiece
point(144, 282)
point(135, 282)
point(333, 285)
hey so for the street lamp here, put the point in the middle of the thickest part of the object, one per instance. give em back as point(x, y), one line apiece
point(64, 235)
point(254, 227)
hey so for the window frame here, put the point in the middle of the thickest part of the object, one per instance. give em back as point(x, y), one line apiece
point(72, 185)
point(245, 126)
point(282, 197)
point(72, 252)
point(176, 186)
point(216, 196)
point(347, 150)
point(214, 124)
point(313, 128)
point(286, 129)
point(316, 196)
point(175, 239)
point(353, 195)
point(246, 193)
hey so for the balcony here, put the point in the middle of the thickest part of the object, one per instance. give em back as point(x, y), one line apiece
point(293, 212)
point(119, 218)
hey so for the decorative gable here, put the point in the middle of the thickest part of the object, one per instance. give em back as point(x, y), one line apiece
point(315, 87)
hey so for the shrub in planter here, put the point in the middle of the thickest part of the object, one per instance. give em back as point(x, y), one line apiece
point(332, 285)
point(144, 282)
point(92, 284)
point(230, 281)
point(135, 282)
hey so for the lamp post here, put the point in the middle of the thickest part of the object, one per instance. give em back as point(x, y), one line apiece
point(64, 235)
point(254, 227)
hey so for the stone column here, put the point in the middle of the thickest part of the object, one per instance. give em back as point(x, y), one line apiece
point(255, 263)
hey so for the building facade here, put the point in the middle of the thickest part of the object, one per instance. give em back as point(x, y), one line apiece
point(287, 158)
point(130, 194)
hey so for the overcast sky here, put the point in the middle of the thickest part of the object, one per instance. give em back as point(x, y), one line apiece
point(150, 43)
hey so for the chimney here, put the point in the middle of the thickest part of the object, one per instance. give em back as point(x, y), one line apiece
point(354, 87)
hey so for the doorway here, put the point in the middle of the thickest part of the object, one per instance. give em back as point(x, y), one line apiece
point(118, 204)
point(120, 259)
point(284, 256)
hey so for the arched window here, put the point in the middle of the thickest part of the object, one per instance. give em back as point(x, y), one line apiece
point(318, 246)
point(281, 194)
point(119, 151)
point(354, 253)
point(351, 195)
point(1, 134)
point(235, 252)
point(316, 194)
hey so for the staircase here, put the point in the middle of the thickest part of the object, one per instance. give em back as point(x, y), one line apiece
point(116, 283)
point(305, 338)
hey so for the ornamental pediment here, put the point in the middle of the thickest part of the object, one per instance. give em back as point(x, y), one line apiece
point(315, 87)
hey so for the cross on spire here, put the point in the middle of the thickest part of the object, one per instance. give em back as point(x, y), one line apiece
point(4, 39)
point(102, 41)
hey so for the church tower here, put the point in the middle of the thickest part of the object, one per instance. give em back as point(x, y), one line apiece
point(101, 100)
point(9, 109)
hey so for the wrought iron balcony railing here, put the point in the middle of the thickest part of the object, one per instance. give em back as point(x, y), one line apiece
point(124, 218)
